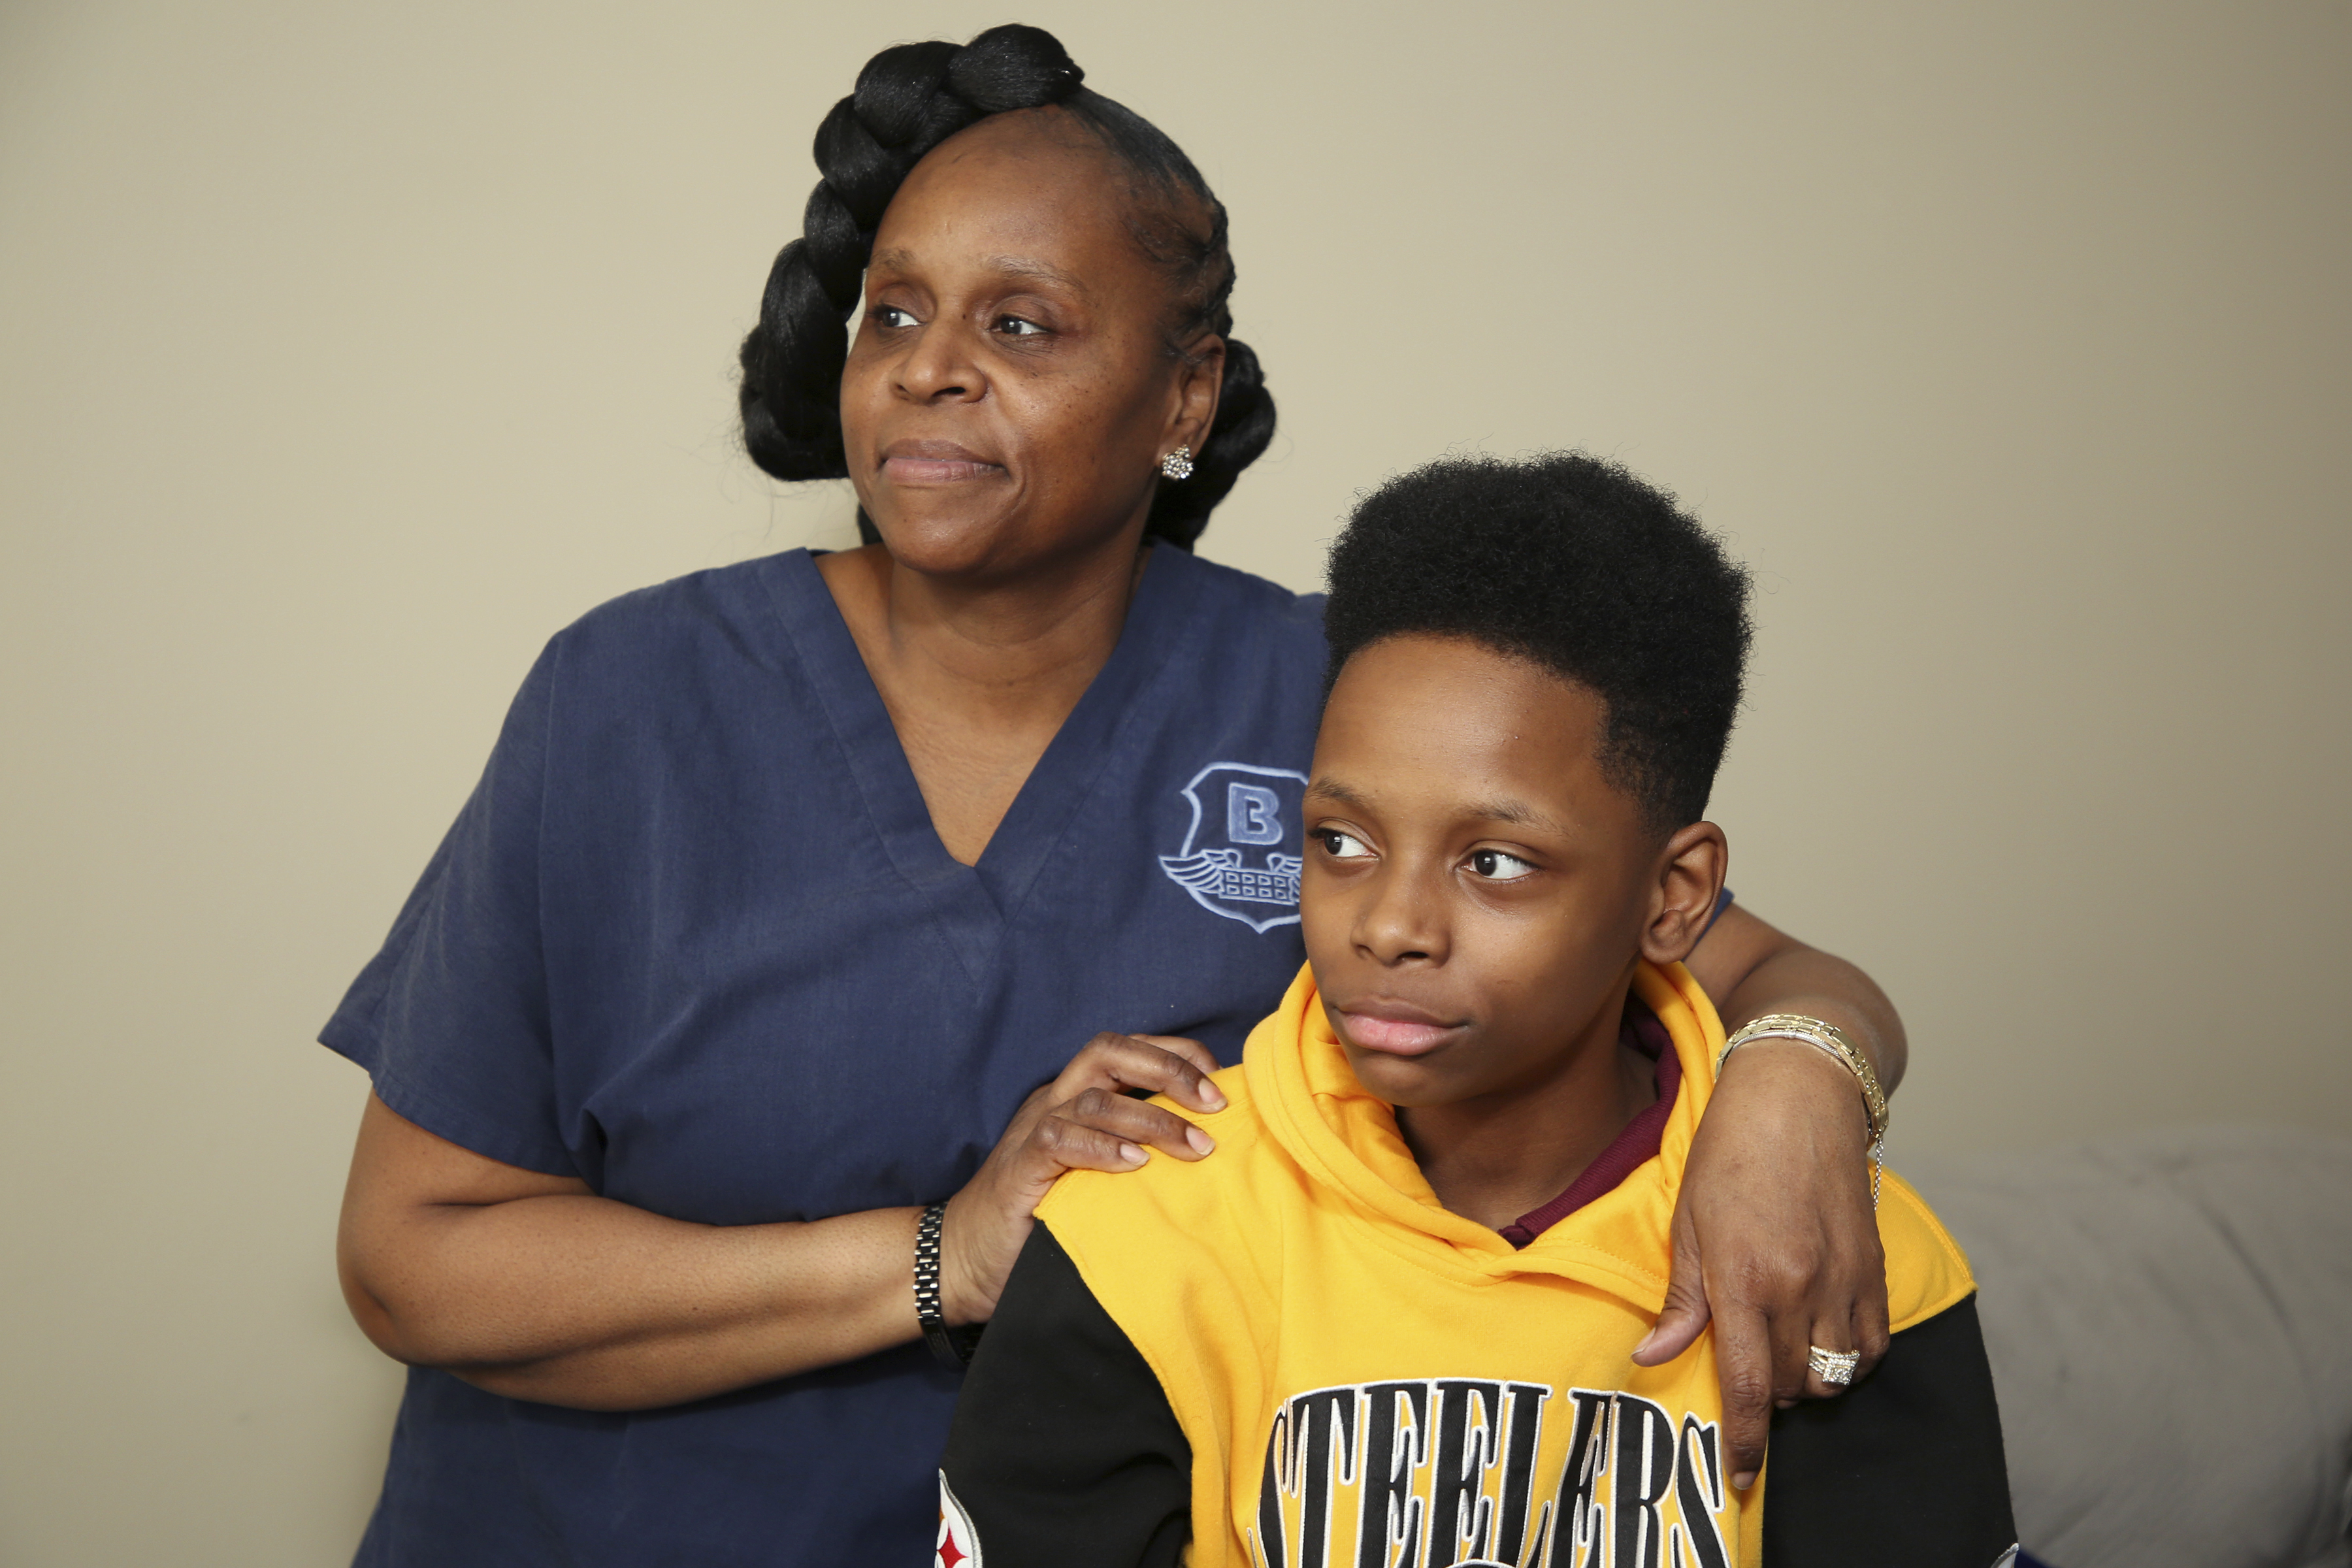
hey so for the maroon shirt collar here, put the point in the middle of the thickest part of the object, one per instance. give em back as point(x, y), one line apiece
point(1638, 1143)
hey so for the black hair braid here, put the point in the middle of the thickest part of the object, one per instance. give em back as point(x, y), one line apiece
point(908, 99)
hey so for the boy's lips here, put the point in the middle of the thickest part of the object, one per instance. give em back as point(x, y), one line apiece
point(1392, 1028)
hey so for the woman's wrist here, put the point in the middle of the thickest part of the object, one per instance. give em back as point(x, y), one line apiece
point(1832, 1042)
point(1878, 1038)
point(951, 1346)
point(964, 1297)
point(1821, 1079)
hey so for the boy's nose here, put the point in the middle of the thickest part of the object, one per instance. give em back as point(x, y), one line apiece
point(1398, 924)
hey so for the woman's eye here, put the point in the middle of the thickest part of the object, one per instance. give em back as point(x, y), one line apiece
point(1341, 846)
point(1019, 327)
point(1497, 866)
point(892, 317)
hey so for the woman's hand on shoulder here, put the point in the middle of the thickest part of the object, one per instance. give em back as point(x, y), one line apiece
point(1775, 1240)
point(1087, 1118)
point(1775, 1236)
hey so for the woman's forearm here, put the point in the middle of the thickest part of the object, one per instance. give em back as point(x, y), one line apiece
point(1751, 969)
point(529, 1286)
point(590, 1303)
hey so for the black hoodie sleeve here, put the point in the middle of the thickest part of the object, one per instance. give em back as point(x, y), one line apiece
point(1064, 1452)
point(1904, 1467)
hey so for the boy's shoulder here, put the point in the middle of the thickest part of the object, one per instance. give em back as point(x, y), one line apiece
point(1166, 1187)
point(1153, 1223)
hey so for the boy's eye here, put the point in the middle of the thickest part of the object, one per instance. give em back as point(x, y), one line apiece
point(1497, 866)
point(1018, 327)
point(1340, 845)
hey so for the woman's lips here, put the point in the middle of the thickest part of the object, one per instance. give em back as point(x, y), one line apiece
point(1394, 1031)
point(935, 463)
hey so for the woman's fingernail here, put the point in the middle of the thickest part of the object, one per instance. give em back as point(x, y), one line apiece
point(1743, 1480)
point(1131, 1155)
point(1212, 1097)
point(1202, 1143)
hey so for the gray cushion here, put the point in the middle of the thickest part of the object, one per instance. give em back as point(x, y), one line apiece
point(2169, 1320)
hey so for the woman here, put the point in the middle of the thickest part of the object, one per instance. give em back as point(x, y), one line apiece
point(788, 884)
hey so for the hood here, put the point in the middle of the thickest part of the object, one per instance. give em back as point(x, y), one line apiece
point(1345, 1140)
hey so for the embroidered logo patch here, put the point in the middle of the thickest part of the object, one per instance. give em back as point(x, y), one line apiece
point(1242, 857)
point(959, 1545)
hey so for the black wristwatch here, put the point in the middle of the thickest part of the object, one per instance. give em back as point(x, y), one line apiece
point(951, 1347)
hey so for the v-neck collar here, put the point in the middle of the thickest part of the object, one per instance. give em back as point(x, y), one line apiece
point(981, 900)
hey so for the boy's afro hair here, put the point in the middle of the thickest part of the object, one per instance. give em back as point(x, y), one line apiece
point(1572, 564)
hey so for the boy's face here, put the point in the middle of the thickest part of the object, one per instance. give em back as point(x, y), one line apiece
point(1476, 891)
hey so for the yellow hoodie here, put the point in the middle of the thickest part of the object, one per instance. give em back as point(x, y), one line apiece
point(1366, 1378)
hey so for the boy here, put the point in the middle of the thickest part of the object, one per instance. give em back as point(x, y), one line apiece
point(1389, 1324)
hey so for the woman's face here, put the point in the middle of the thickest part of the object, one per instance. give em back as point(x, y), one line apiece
point(1009, 394)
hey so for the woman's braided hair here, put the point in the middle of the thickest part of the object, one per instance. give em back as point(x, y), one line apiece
point(908, 99)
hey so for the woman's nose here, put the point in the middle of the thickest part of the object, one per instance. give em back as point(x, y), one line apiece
point(940, 366)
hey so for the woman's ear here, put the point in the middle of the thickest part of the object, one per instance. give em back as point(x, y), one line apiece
point(1690, 875)
point(1197, 383)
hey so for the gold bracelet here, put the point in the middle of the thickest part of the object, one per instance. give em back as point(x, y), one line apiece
point(1829, 1039)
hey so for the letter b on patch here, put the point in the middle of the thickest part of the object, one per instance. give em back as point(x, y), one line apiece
point(1253, 814)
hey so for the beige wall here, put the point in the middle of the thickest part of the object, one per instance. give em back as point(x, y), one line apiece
point(348, 352)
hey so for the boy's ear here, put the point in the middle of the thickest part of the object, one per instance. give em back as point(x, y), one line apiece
point(1682, 901)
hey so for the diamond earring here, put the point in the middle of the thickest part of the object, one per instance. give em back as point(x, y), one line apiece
point(1178, 464)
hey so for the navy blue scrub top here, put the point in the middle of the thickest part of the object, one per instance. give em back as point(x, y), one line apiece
point(694, 940)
